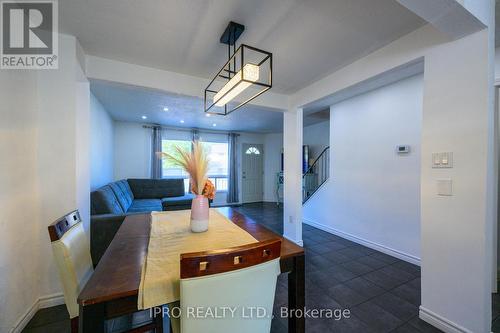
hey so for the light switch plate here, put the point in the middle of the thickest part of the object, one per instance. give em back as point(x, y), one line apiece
point(442, 160)
point(436, 160)
point(444, 187)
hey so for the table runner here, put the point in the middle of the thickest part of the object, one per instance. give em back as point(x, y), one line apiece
point(170, 236)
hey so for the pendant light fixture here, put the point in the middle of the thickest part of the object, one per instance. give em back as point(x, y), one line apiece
point(246, 74)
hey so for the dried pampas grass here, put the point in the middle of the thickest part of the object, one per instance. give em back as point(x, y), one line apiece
point(194, 162)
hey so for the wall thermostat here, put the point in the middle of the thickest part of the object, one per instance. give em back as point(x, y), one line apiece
point(403, 149)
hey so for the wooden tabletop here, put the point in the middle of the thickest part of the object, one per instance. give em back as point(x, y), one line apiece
point(118, 273)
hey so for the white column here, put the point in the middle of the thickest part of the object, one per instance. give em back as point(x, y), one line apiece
point(292, 143)
point(456, 230)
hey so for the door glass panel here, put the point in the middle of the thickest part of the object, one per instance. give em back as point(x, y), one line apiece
point(252, 150)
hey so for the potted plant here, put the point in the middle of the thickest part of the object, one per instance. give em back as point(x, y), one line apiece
point(195, 163)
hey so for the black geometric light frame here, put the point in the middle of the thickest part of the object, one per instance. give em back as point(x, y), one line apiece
point(256, 63)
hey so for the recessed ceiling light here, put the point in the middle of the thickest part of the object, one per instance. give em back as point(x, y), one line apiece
point(207, 114)
point(165, 109)
point(182, 121)
point(144, 117)
point(214, 124)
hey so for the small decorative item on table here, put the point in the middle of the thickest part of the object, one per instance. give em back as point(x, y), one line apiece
point(199, 208)
point(195, 163)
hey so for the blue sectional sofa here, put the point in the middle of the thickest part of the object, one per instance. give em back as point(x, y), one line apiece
point(111, 203)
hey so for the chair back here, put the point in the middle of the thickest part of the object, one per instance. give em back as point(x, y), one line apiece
point(241, 280)
point(71, 251)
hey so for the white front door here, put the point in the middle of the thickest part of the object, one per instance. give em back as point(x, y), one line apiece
point(252, 171)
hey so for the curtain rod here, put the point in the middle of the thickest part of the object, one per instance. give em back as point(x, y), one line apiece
point(180, 129)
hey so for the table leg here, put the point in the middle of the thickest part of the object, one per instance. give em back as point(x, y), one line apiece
point(158, 320)
point(92, 318)
point(296, 295)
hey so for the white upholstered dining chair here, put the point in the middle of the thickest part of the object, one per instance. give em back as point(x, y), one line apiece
point(71, 251)
point(72, 255)
point(241, 278)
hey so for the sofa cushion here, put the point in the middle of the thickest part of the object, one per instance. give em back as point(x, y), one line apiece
point(126, 188)
point(104, 201)
point(156, 188)
point(122, 195)
point(145, 205)
point(184, 200)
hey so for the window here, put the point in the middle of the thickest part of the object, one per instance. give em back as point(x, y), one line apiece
point(218, 167)
point(252, 150)
point(169, 169)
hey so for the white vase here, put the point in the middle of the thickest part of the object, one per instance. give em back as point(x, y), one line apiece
point(199, 214)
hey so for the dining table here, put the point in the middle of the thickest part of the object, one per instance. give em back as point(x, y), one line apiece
point(113, 288)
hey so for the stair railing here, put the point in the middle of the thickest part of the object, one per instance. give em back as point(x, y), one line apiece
point(316, 175)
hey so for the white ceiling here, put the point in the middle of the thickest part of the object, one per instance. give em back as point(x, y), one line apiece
point(130, 103)
point(309, 39)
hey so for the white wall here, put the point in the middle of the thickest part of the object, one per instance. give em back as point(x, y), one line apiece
point(317, 137)
point(373, 193)
point(63, 156)
point(45, 174)
point(497, 84)
point(497, 66)
point(81, 104)
point(19, 220)
point(101, 145)
point(132, 146)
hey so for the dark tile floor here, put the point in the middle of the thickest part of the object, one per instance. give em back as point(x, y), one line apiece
point(54, 319)
point(495, 327)
point(382, 293)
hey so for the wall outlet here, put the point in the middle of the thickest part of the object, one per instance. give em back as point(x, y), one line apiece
point(290, 219)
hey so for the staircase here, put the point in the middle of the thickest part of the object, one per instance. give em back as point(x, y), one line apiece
point(316, 175)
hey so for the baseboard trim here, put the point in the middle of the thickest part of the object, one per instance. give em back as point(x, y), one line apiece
point(442, 323)
point(51, 300)
point(298, 242)
point(41, 303)
point(25, 318)
point(379, 247)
